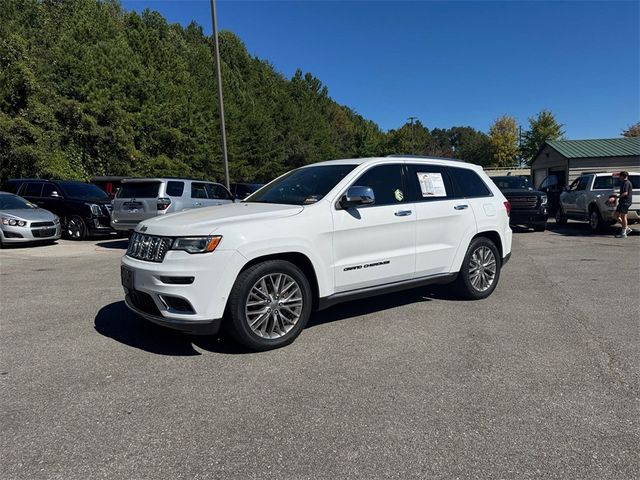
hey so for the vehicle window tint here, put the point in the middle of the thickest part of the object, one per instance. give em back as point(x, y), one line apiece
point(175, 189)
point(429, 182)
point(468, 183)
point(613, 182)
point(198, 190)
point(386, 182)
point(139, 190)
point(50, 190)
point(32, 190)
point(582, 184)
point(217, 192)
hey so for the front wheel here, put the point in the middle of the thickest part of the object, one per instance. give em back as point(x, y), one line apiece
point(269, 305)
point(480, 270)
point(75, 228)
point(560, 218)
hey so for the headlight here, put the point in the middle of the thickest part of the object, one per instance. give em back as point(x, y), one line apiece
point(543, 200)
point(56, 220)
point(196, 244)
point(95, 209)
point(13, 222)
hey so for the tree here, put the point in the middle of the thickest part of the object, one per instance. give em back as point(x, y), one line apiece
point(632, 130)
point(503, 139)
point(542, 128)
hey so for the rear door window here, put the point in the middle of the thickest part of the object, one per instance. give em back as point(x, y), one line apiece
point(175, 189)
point(32, 190)
point(198, 190)
point(139, 190)
point(429, 183)
point(468, 183)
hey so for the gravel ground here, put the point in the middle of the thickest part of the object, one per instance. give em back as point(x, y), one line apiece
point(538, 381)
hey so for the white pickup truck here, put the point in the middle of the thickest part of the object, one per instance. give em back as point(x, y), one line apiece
point(586, 200)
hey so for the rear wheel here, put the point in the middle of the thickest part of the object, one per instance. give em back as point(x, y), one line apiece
point(596, 223)
point(269, 305)
point(75, 228)
point(560, 218)
point(480, 270)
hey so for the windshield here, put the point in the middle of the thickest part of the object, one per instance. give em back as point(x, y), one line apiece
point(303, 186)
point(512, 183)
point(13, 202)
point(82, 190)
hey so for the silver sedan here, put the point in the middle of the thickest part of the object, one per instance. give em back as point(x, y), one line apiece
point(22, 221)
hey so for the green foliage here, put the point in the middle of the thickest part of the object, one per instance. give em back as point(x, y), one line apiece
point(632, 130)
point(542, 128)
point(503, 139)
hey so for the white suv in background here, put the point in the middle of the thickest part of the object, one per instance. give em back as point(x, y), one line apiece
point(316, 236)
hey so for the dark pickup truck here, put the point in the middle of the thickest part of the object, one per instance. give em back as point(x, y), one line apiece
point(529, 207)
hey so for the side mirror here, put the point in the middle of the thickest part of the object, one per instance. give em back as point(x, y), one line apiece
point(358, 196)
point(55, 194)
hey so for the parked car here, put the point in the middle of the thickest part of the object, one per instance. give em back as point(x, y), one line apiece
point(23, 222)
point(586, 200)
point(143, 198)
point(243, 190)
point(528, 206)
point(552, 187)
point(316, 236)
point(84, 209)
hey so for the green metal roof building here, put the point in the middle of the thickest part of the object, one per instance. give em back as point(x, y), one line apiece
point(567, 159)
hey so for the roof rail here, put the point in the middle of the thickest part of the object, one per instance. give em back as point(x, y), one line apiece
point(426, 157)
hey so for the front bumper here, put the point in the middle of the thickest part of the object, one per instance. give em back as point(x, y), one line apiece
point(26, 234)
point(99, 224)
point(528, 217)
point(151, 293)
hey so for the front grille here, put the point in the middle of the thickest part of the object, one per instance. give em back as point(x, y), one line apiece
point(43, 232)
point(42, 224)
point(143, 301)
point(148, 247)
point(523, 203)
point(108, 208)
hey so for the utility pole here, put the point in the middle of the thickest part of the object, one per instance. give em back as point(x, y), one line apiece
point(413, 134)
point(216, 48)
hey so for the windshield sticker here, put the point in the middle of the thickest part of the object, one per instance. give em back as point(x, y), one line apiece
point(431, 184)
point(399, 195)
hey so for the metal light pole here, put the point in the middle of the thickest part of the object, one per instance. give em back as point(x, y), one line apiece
point(413, 134)
point(216, 49)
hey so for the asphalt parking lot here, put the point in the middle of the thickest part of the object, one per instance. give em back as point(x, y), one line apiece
point(538, 381)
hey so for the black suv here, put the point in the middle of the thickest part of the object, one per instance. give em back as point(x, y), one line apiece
point(528, 206)
point(84, 209)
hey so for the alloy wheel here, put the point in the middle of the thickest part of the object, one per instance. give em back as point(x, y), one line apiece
point(274, 305)
point(74, 228)
point(594, 220)
point(482, 269)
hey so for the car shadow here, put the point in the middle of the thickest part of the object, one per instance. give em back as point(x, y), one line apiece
point(116, 244)
point(26, 245)
point(581, 229)
point(117, 322)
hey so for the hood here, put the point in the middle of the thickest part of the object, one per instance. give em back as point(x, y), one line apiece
point(204, 221)
point(29, 214)
point(519, 192)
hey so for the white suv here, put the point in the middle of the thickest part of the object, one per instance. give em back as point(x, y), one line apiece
point(316, 236)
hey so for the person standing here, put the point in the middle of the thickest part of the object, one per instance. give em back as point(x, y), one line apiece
point(624, 202)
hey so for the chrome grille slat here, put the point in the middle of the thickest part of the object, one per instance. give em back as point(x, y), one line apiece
point(149, 248)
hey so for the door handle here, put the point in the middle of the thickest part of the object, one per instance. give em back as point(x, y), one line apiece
point(461, 207)
point(402, 213)
point(197, 204)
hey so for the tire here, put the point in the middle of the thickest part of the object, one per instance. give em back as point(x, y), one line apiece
point(596, 223)
point(75, 228)
point(540, 227)
point(482, 252)
point(257, 318)
point(560, 218)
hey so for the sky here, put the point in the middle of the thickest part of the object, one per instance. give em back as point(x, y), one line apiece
point(449, 63)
